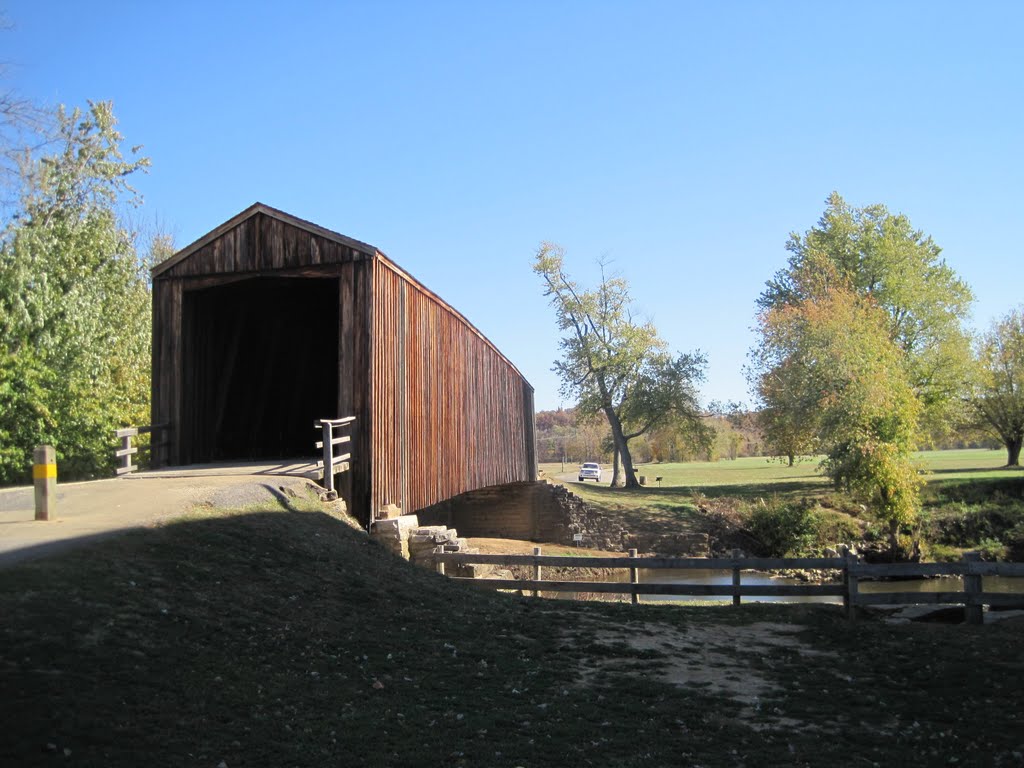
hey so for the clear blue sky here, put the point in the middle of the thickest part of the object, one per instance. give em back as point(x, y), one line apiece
point(684, 141)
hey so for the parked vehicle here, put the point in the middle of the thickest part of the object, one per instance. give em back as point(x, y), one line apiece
point(590, 471)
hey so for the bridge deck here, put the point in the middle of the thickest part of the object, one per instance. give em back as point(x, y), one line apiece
point(90, 510)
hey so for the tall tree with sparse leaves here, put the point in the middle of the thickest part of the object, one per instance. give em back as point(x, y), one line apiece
point(616, 366)
point(74, 302)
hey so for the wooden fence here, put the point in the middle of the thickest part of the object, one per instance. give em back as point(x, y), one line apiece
point(127, 450)
point(848, 568)
point(332, 462)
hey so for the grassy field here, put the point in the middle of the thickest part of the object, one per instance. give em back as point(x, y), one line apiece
point(283, 638)
point(968, 491)
point(759, 475)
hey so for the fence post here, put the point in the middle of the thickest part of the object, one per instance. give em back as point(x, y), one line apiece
point(536, 570)
point(44, 477)
point(439, 564)
point(634, 578)
point(844, 552)
point(736, 554)
point(973, 609)
point(852, 587)
point(329, 460)
point(126, 452)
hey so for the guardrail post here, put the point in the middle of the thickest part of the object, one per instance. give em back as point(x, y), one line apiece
point(736, 554)
point(852, 587)
point(536, 570)
point(44, 477)
point(973, 609)
point(634, 578)
point(328, 459)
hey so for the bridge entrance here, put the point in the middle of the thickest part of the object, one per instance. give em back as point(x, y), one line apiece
point(259, 366)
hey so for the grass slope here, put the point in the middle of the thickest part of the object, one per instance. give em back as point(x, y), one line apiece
point(284, 638)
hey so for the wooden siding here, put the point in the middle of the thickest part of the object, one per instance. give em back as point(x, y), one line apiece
point(265, 244)
point(261, 243)
point(450, 414)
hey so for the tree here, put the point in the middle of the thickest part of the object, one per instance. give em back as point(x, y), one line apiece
point(74, 302)
point(880, 255)
point(866, 411)
point(998, 400)
point(615, 365)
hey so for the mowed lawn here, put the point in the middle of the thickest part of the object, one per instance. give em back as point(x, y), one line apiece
point(671, 504)
point(760, 474)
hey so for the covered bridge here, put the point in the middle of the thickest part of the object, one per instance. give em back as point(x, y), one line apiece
point(270, 322)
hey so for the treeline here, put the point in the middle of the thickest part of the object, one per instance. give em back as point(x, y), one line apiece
point(74, 291)
point(565, 435)
point(562, 435)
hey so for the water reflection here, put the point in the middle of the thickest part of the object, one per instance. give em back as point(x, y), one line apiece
point(944, 584)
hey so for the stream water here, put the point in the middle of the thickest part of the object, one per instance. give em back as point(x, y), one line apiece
point(945, 584)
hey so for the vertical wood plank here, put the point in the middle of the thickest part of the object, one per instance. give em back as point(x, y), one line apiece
point(634, 578)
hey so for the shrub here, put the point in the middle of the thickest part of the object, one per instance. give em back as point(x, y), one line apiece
point(781, 528)
point(992, 549)
point(1014, 541)
point(833, 527)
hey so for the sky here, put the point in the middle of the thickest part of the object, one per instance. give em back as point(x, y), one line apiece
point(681, 141)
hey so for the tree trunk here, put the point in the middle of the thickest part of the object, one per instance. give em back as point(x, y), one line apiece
point(792, 459)
point(615, 470)
point(622, 448)
point(1013, 452)
point(894, 540)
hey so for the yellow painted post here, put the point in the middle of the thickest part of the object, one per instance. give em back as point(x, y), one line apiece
point(44, 476)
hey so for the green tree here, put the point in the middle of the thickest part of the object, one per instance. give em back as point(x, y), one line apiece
point(998, 400)
point(867, 412)
point(880, 255)
point(614, 365)
point(74, 302)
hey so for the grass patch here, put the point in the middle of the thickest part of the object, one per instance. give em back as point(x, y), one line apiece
point(288, 638)
point(970, 501)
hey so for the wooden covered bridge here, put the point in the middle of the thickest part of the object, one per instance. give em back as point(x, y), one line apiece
point(269, 323)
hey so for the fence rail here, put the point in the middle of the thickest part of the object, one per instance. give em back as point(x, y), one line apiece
point(127, 450)
point(333, 463)
point(848, 567)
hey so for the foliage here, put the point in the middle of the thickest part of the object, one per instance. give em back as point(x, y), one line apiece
point(880, 255)
point(852, 380)
point(861, 352)
point(74, 304)
point(997, 403)
point(782, 527)
point(614, 365)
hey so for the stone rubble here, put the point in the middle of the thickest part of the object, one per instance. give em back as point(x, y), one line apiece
point(405, 537)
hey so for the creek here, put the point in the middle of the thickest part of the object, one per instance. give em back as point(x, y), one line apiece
point(944, 584)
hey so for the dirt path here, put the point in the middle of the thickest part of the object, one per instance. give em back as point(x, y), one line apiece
point(99, 508)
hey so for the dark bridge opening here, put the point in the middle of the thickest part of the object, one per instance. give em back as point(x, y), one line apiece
point(260, 364)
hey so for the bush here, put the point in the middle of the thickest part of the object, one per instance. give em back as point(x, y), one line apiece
point(992, 549)
point(964, 525)
point(1014, 541)
point(833, 527)
point(781, 528)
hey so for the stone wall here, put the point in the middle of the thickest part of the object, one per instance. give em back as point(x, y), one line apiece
point(539, 511)
point(532, 511)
